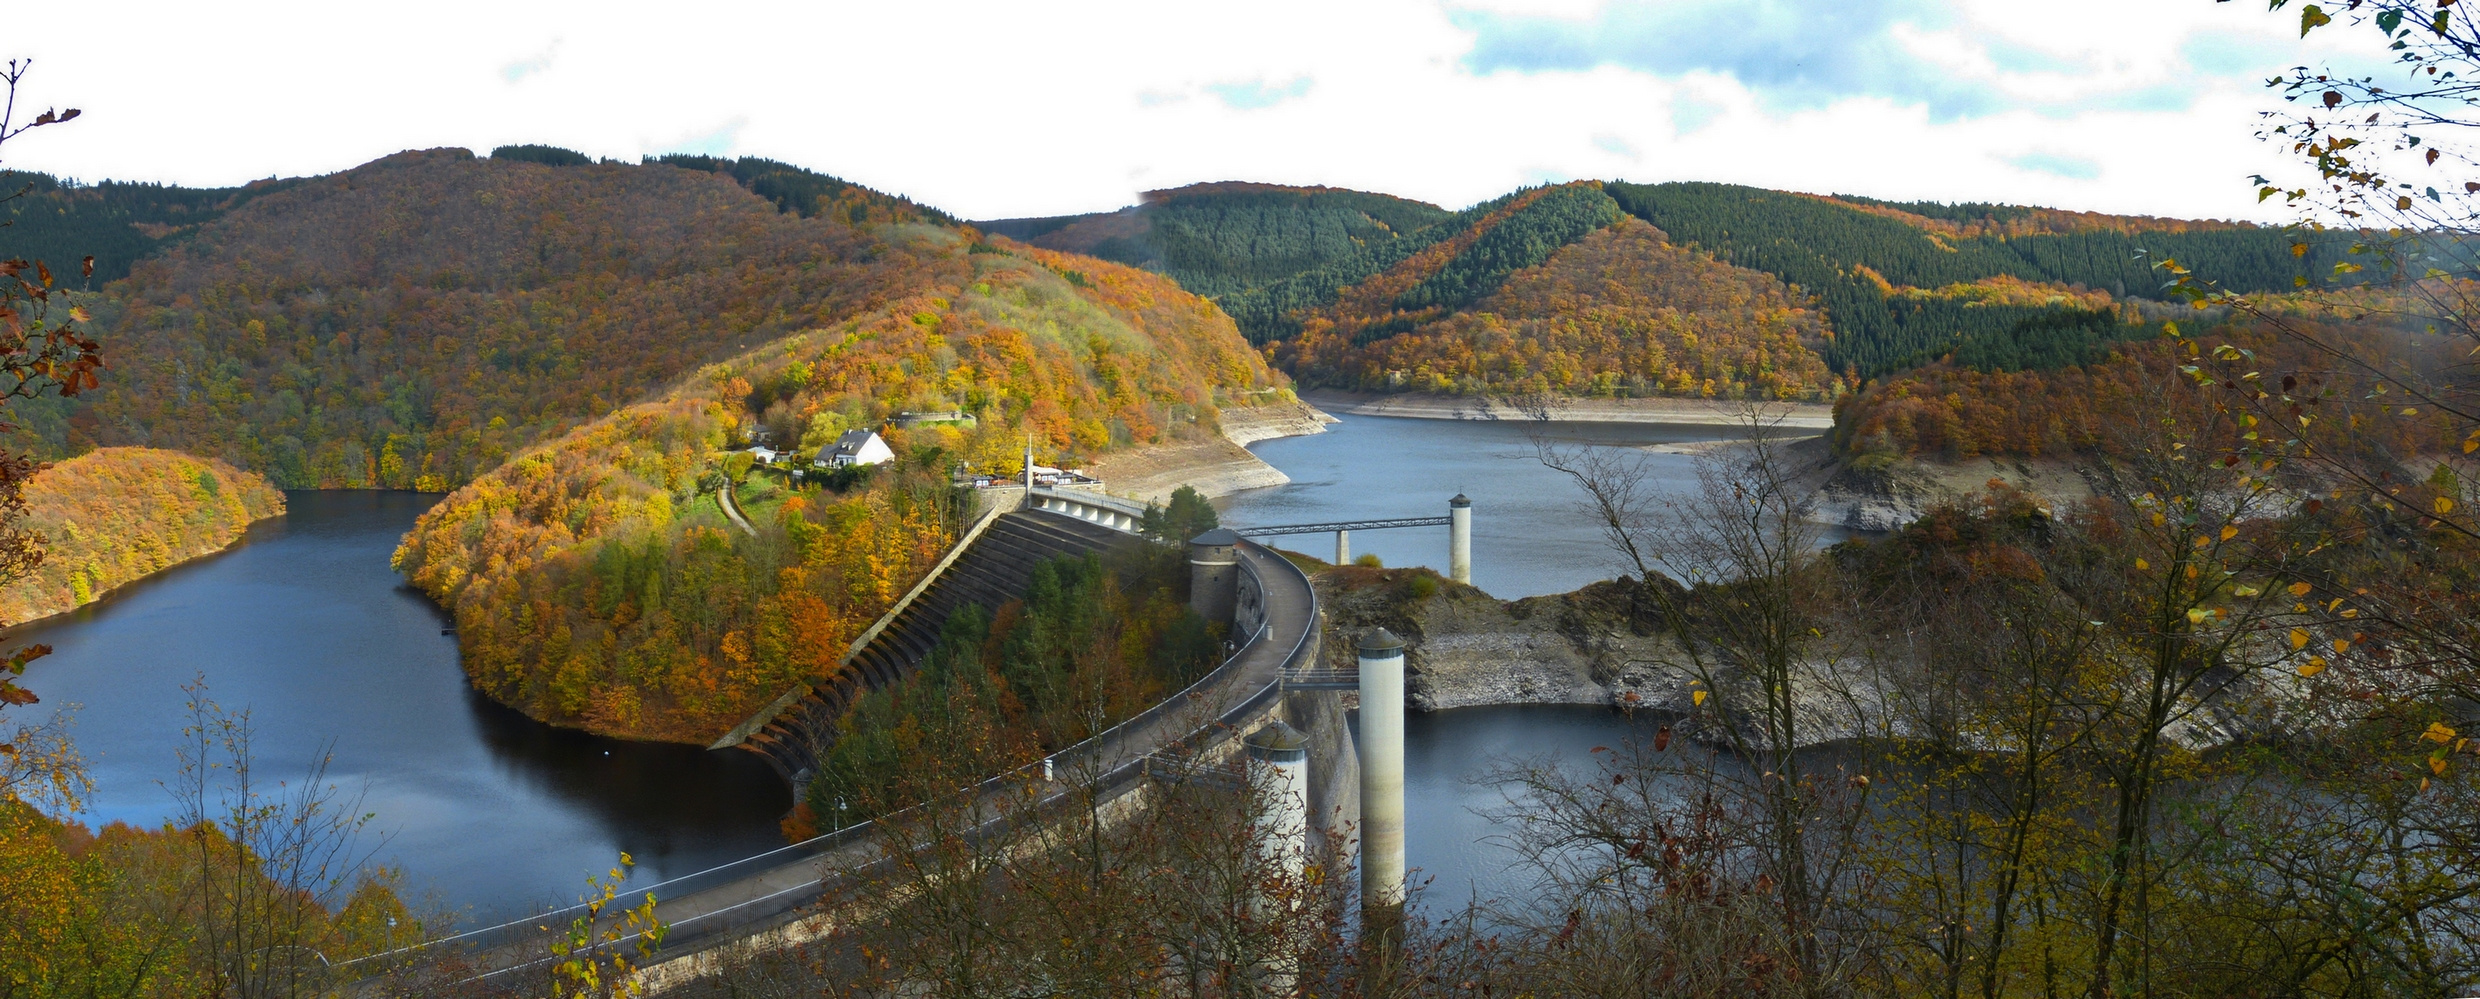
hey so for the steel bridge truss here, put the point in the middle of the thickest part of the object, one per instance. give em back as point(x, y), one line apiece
point(1344, 525)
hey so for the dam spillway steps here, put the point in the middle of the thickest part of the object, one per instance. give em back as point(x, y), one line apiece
point(996, 568)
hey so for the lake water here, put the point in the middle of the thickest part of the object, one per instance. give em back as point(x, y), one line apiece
point(1529, 538)
point(1455, 850)
point(306, 627)
point(494, 815)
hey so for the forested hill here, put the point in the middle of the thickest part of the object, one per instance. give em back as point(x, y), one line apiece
point(597, 584)
point(1369, 292)
point(409, 322)
point(1897, 284)
point(60, 224)
point(1261, 251)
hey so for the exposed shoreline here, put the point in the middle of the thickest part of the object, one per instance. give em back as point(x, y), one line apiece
point(1691, 412)
point(1214, 466)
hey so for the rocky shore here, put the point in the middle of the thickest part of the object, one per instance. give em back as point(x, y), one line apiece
point(1465, 648)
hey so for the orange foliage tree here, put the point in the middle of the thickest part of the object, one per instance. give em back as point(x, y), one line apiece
point(1619, 312)
point(593, 586)
point(115, 515)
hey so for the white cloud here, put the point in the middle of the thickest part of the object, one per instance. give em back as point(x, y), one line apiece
point(991, 109)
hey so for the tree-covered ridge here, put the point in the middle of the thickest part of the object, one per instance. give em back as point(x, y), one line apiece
point(1452, 264)
point(1972, 220)
point(1217, 239)
point(60, 224)
point(116, 515)
point(1261, 251)
point(808, 193)
point(410, 322)
point(1621, 312)
point(1851, 259)
point(596, 583)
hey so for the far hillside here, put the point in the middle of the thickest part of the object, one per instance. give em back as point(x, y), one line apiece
point(1261, 251)
point(410, 322)
point(1362, 291)
point(1901, 289)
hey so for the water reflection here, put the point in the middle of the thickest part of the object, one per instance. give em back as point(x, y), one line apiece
point(1451, 836)
point(307, 628)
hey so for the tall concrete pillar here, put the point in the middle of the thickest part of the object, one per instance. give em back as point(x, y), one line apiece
point(1278, 768)
point(1382, 786)
point(1459, 539)
point(1214, 575)
point(1343, 548)
point(1279, 774)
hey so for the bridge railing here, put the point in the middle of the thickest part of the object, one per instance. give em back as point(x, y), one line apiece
point(843, 849)
point(1115, 512)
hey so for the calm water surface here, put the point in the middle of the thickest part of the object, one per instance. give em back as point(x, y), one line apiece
point(307, 628)
point(1450, 842)
point(1528, 536)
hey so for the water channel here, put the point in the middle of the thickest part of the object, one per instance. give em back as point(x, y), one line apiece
point(493, 815)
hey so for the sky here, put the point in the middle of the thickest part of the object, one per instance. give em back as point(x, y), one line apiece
point(1010, 109)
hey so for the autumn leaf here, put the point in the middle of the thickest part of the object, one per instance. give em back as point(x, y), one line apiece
point(2299, 638)
point(2314, 666)
point(1698, 697)
point(2438, 732)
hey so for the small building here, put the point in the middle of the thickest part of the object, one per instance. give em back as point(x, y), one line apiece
point(765, 455)
point(855, 447)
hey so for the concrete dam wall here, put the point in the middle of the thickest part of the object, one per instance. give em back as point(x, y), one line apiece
point(994, 566)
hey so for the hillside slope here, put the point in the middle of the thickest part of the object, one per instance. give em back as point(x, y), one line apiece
point(1902, 289)
point(1620, 312)
point(1364, 292)
point(114, 516)
point(596, 585)
point(409, 322)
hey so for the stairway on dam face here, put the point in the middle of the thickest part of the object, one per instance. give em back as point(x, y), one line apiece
point(996, 569)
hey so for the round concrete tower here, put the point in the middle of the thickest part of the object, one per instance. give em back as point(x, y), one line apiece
point(1459, 539)
point(1279, 771)
point(1214, 575)
point(1382, 777)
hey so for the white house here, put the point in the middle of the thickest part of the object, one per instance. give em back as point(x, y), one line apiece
point(856, 447)
point(765, 455)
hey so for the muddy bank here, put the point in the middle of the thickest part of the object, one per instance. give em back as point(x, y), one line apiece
point(1215, 466)
point(1696, 412)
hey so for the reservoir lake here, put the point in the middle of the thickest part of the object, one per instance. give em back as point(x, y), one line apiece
point(492, 815)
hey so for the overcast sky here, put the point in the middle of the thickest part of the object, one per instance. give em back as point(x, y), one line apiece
point(1029, 108)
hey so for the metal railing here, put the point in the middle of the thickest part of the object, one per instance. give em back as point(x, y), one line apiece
point(1345, 525)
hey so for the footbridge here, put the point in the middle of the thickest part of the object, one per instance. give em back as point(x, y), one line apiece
point(1457, 521)
point(1275, 633)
